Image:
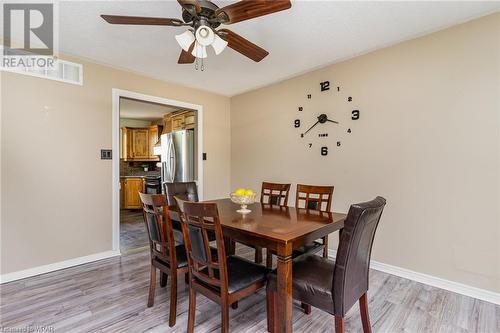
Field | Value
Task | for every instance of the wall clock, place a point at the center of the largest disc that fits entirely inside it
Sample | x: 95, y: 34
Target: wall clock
x: 321, y: 126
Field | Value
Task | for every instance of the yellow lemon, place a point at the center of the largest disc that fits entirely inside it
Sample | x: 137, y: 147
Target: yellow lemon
x: 249, y: 192
x: 240, y: 192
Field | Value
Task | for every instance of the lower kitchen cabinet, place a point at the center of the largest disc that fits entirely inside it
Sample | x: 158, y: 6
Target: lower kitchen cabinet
x: 130, y: 188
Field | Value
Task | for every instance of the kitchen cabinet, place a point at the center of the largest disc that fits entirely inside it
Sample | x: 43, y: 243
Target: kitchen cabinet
x: 130, y: 192
x: 179, y: 120
x: 138, y: 143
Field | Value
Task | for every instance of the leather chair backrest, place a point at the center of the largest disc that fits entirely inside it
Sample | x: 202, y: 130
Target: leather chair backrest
x: 314, y: 197
x: 185, y: 190
x: 198, y: 220
x: 274, y: 194
x: 159, y: 227
x: 350, y: 276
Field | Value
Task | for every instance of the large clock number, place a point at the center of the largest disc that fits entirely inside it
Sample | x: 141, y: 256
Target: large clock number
x: 349, y: 99
x: 324, y: 151
x: 297, y: 123
x: 338, y: 143
x: 325, y: 85
x: 309, y: 96
x: 310, y: 145
x: 338, y: 88
x: 301, y: 108
x: 355, y: 115
x: 349, y: 130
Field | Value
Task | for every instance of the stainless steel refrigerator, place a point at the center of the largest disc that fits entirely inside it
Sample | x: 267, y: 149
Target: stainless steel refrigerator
x: 178, y: 156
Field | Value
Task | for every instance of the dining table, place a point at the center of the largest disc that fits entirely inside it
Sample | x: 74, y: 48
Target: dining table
x: 280, y: 229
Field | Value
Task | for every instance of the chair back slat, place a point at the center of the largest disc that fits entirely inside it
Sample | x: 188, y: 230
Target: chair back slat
x: 159, y: 228
x: 206, y: 264
x: 184, y: 190
x: 313, y: 197
x: 350, y: 277
x: 274, y: 194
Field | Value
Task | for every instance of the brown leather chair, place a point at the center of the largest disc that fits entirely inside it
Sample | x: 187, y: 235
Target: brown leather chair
x: 169, y: 258
x: 224, y: 280
x: 335, y: 286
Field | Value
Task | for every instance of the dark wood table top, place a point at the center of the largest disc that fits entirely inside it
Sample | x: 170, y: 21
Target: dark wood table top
x: 278, y: 224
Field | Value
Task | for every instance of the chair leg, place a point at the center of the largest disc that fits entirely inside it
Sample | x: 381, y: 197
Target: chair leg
x: 365, y: 318
x: 224, y: 317
x: 234, y: 306
x: 339, y: 324
x: 173, y: 300
x: 307, y: 308
x: 258, y: 255
x: 269, y: 259
x: 271, y: 310
x: 163, y: 279
x: 192, y: 310
x: 152, y: 285
x: 325, y: 249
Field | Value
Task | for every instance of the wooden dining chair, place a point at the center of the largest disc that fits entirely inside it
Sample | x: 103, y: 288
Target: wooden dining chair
x: 272, y: 194
x: 169, y: 259
x: 314, y: 198
x: 335, y: 286
x: 224, y: 280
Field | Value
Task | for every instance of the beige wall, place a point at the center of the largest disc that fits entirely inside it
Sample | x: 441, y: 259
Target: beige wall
x: 427, y: 140
x: 56, y: 192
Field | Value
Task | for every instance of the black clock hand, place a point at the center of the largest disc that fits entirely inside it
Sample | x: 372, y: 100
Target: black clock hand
x: 332, y: 121
x: 310, y: 128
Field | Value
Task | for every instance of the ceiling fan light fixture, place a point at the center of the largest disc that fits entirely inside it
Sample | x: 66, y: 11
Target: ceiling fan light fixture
x: 185, y: 40
x: 219, y: 45
x: 204, y: 35
x: 199, y: 51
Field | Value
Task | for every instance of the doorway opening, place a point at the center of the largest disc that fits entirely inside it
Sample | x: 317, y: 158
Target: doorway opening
x: 155, y: 140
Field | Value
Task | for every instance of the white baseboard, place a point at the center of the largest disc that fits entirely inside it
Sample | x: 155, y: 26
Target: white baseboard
x: 434, y: 281
x: 4, y: 278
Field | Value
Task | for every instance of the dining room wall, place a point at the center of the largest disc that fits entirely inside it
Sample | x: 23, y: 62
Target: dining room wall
x: 56, y: 191
x: 428, y: 140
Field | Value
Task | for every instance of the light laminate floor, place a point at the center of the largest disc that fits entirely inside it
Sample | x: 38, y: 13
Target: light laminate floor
x: 110, y: 296
x: 133, y: 233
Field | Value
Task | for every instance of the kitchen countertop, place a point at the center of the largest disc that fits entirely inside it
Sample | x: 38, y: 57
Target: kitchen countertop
x: 140, y: 174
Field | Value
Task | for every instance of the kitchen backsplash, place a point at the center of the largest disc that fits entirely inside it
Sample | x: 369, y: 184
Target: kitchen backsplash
x: 135, y: 167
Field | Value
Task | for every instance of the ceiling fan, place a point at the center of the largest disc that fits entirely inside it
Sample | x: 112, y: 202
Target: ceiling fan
x: 203, y: 17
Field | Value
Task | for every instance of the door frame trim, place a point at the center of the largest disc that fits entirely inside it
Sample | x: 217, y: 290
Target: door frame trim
x: 115, y: 199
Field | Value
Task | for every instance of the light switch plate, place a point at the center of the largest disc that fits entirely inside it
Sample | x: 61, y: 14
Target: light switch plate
x: 106, y: 154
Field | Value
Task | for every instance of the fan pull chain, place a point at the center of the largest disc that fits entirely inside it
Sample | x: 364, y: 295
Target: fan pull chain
x: 202, y: 65
x: 196, y: 64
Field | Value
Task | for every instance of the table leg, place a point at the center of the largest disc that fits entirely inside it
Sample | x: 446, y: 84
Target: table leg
x: 230, y: 246
x: 284, y: 292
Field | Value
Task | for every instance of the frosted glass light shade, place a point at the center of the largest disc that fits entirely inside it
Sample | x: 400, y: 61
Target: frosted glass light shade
x: 185, y: 40
x: 219, y: 45
x: 199, y: 51
x: 204, y: 35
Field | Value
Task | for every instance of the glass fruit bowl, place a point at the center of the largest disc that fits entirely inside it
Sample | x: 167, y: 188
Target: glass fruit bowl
x: 243, y: 201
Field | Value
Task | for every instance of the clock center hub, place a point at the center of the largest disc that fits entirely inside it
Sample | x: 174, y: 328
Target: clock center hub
x: 322, y: 118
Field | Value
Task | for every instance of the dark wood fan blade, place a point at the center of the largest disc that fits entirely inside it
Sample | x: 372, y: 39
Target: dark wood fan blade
x: 248, y: 9
x: 242, y: 45
x: 138, y: 20
x: 192, y: 6
x: 187, y: 57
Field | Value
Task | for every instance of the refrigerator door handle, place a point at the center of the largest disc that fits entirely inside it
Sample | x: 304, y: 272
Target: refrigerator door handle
x: 174, y: 161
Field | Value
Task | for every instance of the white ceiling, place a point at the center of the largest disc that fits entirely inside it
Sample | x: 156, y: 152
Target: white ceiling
x: 132, y: 109
x: 311, y: 34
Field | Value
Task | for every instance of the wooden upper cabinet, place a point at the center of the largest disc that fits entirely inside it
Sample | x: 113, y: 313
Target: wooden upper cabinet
x: 154, y: 136
x: 140, y: 143
x: 179, y: 120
